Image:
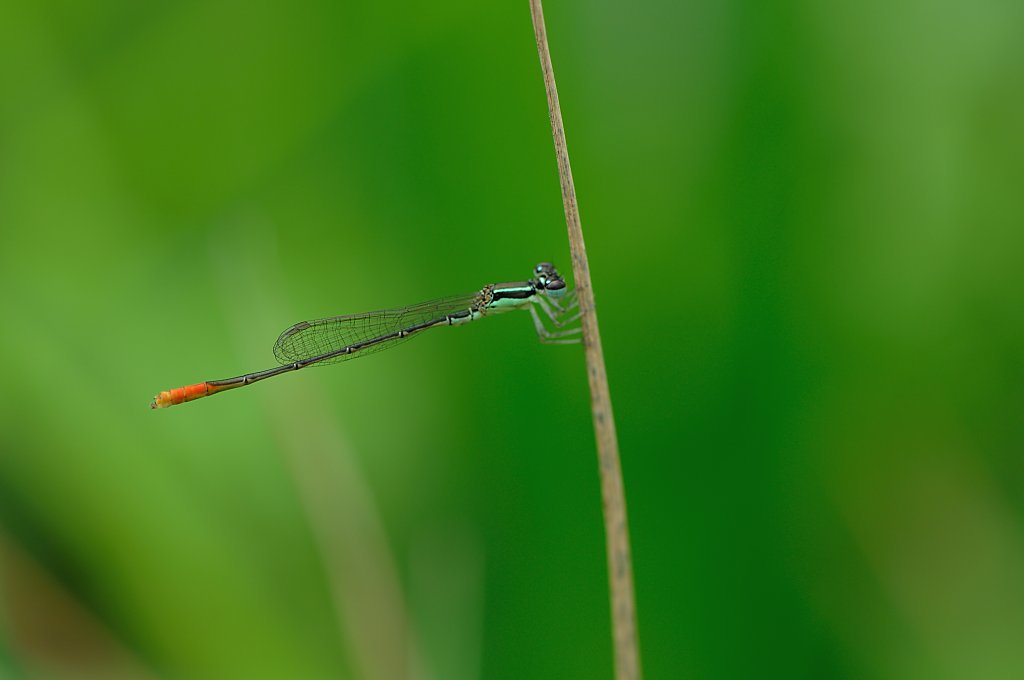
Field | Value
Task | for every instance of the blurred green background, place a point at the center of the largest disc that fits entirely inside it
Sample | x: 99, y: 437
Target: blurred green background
x: 806, y: 229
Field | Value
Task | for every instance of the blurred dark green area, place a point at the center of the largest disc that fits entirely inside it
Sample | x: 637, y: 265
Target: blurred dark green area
x: 806, y: 230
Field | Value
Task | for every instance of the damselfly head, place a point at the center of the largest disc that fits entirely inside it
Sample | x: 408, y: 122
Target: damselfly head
x: 548, y: 279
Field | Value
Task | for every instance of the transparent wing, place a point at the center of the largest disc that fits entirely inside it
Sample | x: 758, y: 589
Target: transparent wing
x: 310, y: 339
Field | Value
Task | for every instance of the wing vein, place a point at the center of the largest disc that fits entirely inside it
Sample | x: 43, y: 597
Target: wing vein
x: 309, y: 339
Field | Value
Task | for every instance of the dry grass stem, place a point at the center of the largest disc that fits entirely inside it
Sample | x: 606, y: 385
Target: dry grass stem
x: 620, y: 569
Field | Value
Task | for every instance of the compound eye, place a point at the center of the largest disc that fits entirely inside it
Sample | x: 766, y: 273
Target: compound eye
x: 543, y: 267
x: 557, y: 284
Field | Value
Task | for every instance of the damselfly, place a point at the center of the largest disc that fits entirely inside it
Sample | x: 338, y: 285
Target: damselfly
x: 339, y: 338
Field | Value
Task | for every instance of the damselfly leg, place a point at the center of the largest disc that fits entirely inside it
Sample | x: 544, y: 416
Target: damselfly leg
x: 569, y: 336
x: 558, y: 314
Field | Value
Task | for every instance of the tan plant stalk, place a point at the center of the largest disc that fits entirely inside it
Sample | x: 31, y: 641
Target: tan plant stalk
x: 620, y: 569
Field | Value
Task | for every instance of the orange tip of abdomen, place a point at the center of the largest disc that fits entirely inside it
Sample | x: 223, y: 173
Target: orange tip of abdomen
x: 180, y: 395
